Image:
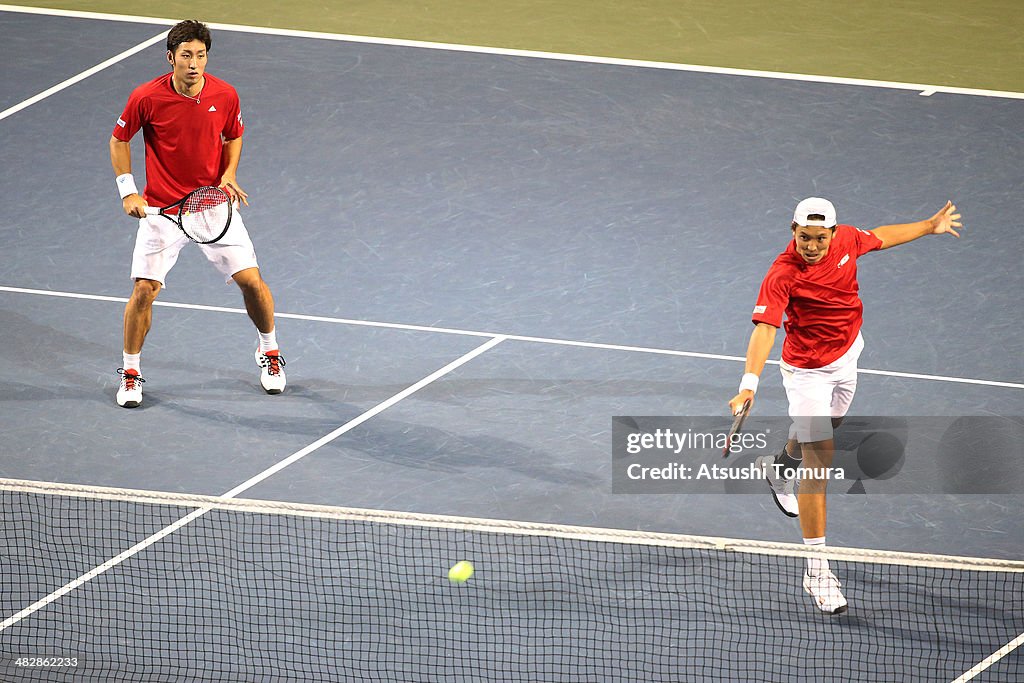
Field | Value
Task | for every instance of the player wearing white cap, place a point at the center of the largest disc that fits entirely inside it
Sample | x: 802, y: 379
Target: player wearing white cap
x: 813, y: 283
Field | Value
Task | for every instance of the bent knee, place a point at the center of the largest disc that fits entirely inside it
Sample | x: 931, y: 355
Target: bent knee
x: 145, y: 290
x: 248, y: 278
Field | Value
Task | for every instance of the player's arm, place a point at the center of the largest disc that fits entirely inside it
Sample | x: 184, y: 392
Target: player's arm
x: 946, y: 220
x: 229, y: 162
x: 121, y: 160
x: 762, y: 339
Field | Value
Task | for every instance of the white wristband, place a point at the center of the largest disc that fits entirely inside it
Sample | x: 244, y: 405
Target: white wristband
x: 126, y: 185
x: 749, y: 381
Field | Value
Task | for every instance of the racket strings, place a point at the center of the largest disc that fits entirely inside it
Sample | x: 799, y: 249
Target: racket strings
x: 205, y: 213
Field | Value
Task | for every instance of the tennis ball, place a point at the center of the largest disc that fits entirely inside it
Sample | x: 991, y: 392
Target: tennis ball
x: 460, y: 572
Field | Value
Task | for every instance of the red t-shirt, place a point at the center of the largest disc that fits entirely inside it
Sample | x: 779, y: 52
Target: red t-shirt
x: 821, y: 302
x: 184, y: 135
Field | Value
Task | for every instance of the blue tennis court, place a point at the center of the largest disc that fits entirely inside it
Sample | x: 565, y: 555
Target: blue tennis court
x: 478, y: 260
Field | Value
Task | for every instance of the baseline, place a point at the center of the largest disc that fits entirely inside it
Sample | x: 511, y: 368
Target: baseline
x: 921, y: 88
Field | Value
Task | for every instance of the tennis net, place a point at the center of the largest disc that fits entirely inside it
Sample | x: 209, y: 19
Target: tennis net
x: 102, y: 584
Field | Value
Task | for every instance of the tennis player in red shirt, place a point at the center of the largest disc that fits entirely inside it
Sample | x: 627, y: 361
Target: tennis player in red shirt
x: 192, y: 125
x: 813, y: 283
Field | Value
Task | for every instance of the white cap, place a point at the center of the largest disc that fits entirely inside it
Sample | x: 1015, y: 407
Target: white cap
x: 812, y: 206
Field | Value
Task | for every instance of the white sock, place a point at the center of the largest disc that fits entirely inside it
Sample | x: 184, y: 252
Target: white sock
x: 268, y: 340
x: 132, y: 361
x: 816, y: 565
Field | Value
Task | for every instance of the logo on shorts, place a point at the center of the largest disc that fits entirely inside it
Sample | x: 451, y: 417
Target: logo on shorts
x: 843, y: 261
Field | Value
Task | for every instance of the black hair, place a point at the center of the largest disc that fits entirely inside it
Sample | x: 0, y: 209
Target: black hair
x: 188, y: 31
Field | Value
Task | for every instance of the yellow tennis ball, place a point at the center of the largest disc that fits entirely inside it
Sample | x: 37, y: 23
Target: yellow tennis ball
x: 460, y: 572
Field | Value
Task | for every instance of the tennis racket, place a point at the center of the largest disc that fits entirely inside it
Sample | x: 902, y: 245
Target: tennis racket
x: 737, y: 425
x: 203, y: 215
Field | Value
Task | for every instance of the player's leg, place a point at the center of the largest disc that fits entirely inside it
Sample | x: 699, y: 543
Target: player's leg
x: 138, y: 319
x: 816, y: 461
x: 259, y: 303
x: 840, y: 378
x: 138, y: 314
x: 813, y: 487
x: 810, y: 405
x: 157, y: 245
x: 235, y: 257
x: 782, y: 482
x: 779, y: 470
x: 819, y: 581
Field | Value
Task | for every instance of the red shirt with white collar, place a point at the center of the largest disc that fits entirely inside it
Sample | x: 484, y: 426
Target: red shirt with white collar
x: 184, y: 135
x: 821, y: 302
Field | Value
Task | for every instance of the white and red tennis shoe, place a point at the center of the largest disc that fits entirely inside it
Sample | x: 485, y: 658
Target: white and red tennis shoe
x: 129, y: 394
x: 272, y: 376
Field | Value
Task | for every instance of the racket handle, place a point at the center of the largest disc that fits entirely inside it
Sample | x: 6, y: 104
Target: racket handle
x: 152, y: 211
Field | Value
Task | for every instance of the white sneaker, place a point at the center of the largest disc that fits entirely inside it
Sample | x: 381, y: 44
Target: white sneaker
x: 824, y: 588
x: 272, y: 376
x: 129, y: 394
x: 783, y: 490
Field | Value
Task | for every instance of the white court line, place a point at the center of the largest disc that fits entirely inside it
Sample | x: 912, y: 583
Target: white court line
x: 355, y: 422
x: 991, y: 659
x: 82, y: 76
x: 504, y: 335
x: 923, y: 89
x: 96, y: 571
x: 77, y: 14
x: 291, y: 459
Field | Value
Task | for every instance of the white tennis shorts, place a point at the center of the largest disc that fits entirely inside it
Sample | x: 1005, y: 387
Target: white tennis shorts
x: 816, y: 396
x: 159, y: 241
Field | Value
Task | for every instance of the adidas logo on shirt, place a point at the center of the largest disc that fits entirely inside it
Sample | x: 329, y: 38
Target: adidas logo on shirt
x: 212, y: 108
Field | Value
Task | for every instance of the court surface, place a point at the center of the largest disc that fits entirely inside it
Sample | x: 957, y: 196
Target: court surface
x: 534, y: 245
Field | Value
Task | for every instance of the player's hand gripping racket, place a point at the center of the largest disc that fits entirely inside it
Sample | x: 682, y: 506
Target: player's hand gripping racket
x: 737, y: 425
x: 203, y: 215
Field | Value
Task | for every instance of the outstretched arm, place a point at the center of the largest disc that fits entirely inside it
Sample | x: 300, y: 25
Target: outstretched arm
x: 762, y: 339
x: 946, y: 220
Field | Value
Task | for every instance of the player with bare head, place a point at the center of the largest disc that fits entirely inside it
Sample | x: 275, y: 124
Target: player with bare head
x: 192, y: 127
